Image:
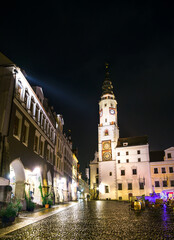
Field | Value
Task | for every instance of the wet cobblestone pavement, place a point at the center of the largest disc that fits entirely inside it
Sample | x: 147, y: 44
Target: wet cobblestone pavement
x: 100, y: 220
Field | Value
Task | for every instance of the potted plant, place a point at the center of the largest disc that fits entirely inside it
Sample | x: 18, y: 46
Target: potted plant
x: 9, y: 213
x: 50, y: 202
x: 30, y: 204
x: 46, y: 200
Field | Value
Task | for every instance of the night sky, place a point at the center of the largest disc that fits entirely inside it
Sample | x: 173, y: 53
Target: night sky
x: 63, y: 47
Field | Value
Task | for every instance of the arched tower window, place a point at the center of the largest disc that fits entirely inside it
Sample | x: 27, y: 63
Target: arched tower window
x: 106, y: 132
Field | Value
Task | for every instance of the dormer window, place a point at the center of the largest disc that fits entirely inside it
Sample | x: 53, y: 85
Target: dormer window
x: 125, y: 144
x: 19, y: 88
x: 26, y: 97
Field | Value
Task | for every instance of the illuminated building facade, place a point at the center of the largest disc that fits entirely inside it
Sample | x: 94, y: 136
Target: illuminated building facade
x: 121, y: 168
x: 33, y: 149
x: 162, y: 171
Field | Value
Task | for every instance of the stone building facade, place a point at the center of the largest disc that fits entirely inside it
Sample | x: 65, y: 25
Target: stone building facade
x: 33, y: 148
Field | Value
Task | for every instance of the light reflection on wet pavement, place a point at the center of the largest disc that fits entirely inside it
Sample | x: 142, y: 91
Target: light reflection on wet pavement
x: 100, y: 220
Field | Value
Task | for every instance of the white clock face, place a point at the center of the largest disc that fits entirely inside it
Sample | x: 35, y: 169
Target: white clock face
x: 112, y: 111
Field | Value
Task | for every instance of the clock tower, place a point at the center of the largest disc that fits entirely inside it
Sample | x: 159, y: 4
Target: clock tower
x: 108, y: 132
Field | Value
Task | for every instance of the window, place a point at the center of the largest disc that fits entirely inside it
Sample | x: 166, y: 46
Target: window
x: 41, y: 119
x: 157, y: 184
x: 127, y: 160
x: 105, y: 119
x: 110, y: 174
x: 37, y: 113
x: 172, y: 183
x: 141, y: 185
x: 26, y: 97
x: 139, y: 159
x: 105, y: 104
x: 111, y: 105
x: 118, y: 154
x: 129, y: 186
x: 170, y: 169
x: 163, y: 170
x: 118, y: 161
x: 155, y: 170
x: 120, y: 186
x: 169, y: 155
x: 36, y: 143
x: 106, y: 132
x: 32, y: 107
x: 138, y: 151
x: 134, y: 171
x: 96, y: 170
x: 48, y: 153
x: 106, y: 189
x: 19, y: 89
x: 17, y: 125
x: 127, y: 153
x: 25, y: 133
x: 97, y: 180
x: 164, y: 183
x: 42, y: 148
x: 125, y: 144
x: 122, y: 172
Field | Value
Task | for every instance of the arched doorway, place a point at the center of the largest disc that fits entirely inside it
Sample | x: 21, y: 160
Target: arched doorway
x: 17, y: 178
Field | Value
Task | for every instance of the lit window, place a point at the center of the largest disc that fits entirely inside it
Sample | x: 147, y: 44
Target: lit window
x: 106, y: 189
x: 120, y: 186
x: 134, y: 171
x: 17, y: 126
x: 19, y: 89
x: 155, y: 170
x: 129, y: 186
x: 163, y: 170
x: 25, y: 133
x: 157, y: 184
x: 122, y: 172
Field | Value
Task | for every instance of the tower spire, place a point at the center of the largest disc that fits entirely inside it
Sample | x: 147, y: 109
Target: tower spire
x: 107, y: 87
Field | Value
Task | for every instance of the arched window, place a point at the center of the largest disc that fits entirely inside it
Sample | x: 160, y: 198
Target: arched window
x: 106, y: 132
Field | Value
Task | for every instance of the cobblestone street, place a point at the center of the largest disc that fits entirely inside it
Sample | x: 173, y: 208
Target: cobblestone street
x: 100, y: 220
